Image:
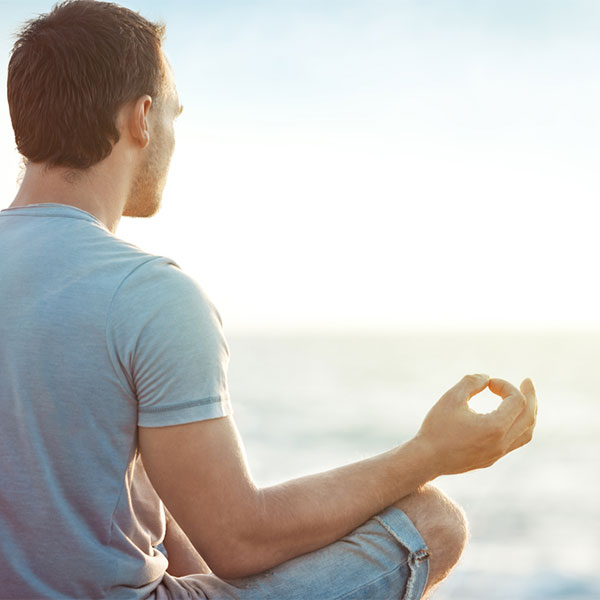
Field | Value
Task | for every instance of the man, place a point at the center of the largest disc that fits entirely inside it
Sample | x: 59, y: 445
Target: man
x: 110, y: 356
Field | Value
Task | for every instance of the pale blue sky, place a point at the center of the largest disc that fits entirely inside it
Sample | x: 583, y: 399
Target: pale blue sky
x: 378, y: 164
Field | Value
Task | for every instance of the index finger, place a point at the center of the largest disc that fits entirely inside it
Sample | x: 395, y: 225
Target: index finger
x: 503, y: 388
x: 469, y: 386
x: 512, y: 405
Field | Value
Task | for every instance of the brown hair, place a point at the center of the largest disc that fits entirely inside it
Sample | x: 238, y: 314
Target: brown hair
x: 70, y: 72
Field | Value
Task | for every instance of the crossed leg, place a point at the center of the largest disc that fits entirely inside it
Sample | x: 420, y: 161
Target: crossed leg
x: 442, y: 525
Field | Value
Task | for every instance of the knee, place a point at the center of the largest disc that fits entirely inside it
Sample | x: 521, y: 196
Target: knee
x: 443, y: 526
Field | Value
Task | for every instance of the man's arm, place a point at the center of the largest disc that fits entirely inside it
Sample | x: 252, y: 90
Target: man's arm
x: 200, y: 472
x: 240, y: 529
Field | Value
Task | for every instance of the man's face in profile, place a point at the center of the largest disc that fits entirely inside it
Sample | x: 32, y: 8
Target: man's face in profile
x: 145, y: 196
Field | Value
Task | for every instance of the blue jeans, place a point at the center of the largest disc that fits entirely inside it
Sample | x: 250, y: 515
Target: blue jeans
x: 383, y: 559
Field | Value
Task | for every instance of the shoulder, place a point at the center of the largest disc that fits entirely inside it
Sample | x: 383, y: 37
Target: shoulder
x: 156, y: 297
x: 158, y: 281
x: 136, y: 272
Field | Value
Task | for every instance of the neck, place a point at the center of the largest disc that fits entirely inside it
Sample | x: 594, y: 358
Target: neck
x: 101, y: 190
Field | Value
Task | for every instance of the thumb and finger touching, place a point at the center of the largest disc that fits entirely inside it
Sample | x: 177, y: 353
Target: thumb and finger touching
x: 516, y: 413
x: 513, y: 420
x: 513, y: 403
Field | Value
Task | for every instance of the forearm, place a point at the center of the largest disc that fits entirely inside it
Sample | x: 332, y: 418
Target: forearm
x: 308, y: 513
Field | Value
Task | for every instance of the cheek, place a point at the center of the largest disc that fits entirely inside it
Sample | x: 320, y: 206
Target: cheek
x: 166, y: 141
x: 171, y: 133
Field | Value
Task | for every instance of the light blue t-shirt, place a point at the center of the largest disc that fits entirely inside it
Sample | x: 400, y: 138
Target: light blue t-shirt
x: 96, y: 338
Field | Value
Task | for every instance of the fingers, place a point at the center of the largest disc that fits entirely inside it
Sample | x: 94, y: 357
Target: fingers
x: 502, y: 388
x: 521, y: 431
x: 528, y: 390
x: 468, y: 386
x: 512, y: 404
x: 523, y: 439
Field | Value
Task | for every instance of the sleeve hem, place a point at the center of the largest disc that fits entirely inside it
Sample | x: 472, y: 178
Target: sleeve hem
x: 187, y: 412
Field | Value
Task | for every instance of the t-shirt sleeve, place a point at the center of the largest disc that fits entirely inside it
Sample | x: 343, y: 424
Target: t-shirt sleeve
x: 166, y: 340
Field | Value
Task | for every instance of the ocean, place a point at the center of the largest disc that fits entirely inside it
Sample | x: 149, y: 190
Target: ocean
x: 306, y: 402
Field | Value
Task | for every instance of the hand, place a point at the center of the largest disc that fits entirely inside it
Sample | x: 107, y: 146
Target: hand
x: 460, y: 439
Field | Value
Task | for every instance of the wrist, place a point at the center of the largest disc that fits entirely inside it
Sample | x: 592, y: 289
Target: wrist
x: 427, y: 457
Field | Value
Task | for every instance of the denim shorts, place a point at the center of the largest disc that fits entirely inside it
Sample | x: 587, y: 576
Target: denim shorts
x: 383, y: 559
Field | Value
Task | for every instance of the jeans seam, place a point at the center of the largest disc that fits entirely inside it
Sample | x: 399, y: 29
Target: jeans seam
x: 424, y: 550
x: 356, y: 589
x: 414, y: 557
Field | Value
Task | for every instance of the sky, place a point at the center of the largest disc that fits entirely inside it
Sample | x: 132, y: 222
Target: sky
x: 372, y: 164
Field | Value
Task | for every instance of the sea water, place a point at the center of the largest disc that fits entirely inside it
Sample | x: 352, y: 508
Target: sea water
x: 313, y: 401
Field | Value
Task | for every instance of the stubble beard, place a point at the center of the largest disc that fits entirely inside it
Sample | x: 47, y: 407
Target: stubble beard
x: 145, y: 196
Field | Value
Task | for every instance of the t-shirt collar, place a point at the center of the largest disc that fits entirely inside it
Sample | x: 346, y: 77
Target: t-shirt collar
x: 51, y: 209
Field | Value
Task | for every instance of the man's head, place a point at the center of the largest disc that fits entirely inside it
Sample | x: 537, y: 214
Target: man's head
x: 73, y: 73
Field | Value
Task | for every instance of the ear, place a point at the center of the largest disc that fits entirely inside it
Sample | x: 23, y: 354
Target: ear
x: 139, y: 128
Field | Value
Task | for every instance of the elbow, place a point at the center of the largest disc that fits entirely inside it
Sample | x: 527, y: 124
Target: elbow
x: 239, y: 545
x: 232, y: 556
x: 235, y: 561
x: 230, y: 571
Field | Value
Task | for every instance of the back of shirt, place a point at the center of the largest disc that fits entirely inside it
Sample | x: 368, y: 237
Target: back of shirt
x: 96, y: 338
